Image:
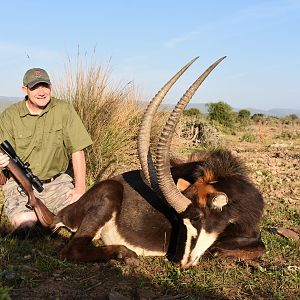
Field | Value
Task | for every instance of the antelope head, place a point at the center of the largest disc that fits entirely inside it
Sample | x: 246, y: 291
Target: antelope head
x: 159, y: 177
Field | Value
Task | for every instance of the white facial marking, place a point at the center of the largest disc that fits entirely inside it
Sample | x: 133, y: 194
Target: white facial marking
x: 205, y: 240
x: 191, y: 233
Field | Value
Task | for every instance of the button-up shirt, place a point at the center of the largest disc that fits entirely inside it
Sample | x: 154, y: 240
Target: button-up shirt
x: 46, y: 141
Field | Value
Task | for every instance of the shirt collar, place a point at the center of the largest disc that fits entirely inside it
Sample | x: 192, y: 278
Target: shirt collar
x: 24, y: 111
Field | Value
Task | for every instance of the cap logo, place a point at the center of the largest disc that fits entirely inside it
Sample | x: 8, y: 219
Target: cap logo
x: 37, y: 74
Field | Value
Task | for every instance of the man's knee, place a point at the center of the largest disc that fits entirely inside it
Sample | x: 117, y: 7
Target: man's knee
x: 25, y: 219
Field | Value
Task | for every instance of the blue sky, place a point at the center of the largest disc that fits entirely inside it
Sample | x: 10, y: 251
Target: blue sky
x: 146, y: 42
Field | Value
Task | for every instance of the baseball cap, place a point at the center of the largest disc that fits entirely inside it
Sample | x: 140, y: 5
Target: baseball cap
x: 35, y: 76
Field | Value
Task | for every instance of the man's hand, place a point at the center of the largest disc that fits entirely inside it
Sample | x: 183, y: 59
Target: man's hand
x: 74, y: 194
x: 4, y: 160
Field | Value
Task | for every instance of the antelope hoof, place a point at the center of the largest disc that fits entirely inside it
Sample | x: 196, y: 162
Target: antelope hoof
x: 125, y: 253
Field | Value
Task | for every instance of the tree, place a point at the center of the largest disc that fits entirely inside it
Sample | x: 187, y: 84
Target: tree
x: 221, y: 112
x: 258, y: 117
x: 192, y: 112
x: 293, y: 117
x: 244, y: 116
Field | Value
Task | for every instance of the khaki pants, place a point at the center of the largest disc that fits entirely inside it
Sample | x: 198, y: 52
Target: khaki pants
x: 53, y: 196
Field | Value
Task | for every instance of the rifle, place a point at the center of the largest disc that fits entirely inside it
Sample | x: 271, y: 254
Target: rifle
x: 22, y: 174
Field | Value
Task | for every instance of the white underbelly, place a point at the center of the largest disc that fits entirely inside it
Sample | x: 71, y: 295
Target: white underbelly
x: 110, y: 236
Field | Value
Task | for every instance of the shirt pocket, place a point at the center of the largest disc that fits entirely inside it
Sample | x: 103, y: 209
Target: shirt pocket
x: 54, y: 136
x: 23, y: 139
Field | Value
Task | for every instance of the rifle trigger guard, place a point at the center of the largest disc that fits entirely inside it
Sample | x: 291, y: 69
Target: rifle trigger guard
x: 29, y: 206
x: 21, y: 190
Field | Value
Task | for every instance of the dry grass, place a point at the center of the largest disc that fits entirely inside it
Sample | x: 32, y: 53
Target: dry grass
x: 111, y: 114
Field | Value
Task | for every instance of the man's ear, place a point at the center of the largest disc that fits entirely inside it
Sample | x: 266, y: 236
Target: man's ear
x: 24, y: 90
x: 182, y: 184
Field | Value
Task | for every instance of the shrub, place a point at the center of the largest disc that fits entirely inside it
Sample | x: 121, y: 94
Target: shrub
x: 293, y: 117
x: 248, y: 137
x: 111, y: 115
x: 289, y: 134
x: 222, y: 113
x: 191, y: 112
x: 4, y: 293
x: 258, y: 118
x: 244, y: 116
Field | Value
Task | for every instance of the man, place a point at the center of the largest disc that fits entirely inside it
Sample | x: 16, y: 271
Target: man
x: 45, y: 132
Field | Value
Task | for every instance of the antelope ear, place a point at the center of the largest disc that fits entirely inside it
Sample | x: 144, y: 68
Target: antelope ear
x: 182, y: 184
x: 218, y: 200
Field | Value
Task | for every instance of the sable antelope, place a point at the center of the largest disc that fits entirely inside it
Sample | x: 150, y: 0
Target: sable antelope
x: 207, y: 202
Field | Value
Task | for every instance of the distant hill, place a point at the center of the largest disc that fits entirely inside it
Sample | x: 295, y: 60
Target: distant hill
x: 279, y: 112
x: 7, y: 101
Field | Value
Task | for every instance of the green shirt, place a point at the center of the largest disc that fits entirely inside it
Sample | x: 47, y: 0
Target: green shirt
x: 45, y: 141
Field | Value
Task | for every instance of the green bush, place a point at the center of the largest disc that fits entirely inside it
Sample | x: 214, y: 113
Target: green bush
x: 258, y: 118
x: 222, y: 113
x: 4, y: 294
x: 244, y: 117
x: 191, y: 112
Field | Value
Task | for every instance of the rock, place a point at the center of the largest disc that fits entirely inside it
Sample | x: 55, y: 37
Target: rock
x: 288, y: 233
x: 297, y: 229
x: 145, y: 294
x: 10, y: 276
x: 116, y: 296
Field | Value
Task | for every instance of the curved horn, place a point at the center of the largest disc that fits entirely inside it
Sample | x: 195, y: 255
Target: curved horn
x: 143, y: 139
x: 165, y: 181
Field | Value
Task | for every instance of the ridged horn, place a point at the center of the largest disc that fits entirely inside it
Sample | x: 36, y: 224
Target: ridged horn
x: 165, y: 181
x: 143, y: 139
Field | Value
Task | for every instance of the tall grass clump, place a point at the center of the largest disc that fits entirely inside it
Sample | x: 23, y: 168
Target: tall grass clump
x: 110, y: 112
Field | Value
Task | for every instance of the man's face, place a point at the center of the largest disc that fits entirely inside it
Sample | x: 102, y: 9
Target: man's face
x: 39, y: 95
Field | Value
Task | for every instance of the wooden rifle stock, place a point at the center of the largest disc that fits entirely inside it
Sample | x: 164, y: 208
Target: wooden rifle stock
x: 44, y: 215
